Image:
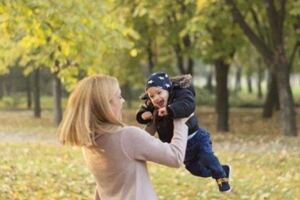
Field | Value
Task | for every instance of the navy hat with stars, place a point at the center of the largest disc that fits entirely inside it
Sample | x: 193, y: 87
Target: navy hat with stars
x: 159, y: 79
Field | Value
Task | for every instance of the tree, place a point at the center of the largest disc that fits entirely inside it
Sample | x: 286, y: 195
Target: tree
x: 28, y: 91
x: 274, y: 55
x: 44, y: 33
x: 36, y: 93
x: 217, y: 43
x: 259, y: 78
x: 57, y: 97
x: 163, y: 39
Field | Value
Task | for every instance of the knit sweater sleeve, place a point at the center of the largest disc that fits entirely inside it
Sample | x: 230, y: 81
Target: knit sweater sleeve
x: 139, y: 145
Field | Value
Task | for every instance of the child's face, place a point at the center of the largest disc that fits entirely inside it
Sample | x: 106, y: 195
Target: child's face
x: 158, y: 96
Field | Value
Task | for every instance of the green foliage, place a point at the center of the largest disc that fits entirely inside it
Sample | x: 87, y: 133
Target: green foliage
x: 219, y: 37
x: 160, y: 27
x: 295, y: 8
x: 256, y: 16
x: 62, y: 35
x: 76, y: 38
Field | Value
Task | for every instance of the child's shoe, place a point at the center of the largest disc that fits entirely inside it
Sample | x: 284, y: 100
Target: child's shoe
x: 223, y: 183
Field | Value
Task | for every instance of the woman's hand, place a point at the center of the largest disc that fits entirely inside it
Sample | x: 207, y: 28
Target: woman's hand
x: 182, y: 120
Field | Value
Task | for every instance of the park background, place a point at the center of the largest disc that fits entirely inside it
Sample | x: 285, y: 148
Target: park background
x: 244, y: 57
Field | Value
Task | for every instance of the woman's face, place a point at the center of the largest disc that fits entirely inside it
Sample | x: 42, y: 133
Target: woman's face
x: 117, y: 103
x: 158, y: 96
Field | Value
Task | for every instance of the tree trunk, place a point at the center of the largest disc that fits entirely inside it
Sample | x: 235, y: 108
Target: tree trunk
x: 36, y: 94
x: 249, y: 83
x: 57, y: 96
x: 9, y: 85
x: 288, y: 114
x: 179, y: 58
x: 209, y: 79
x: 190, y: 66
x: 259, y: 79
x: 238, y: 79
x: 150, y: 57
x: 222, y: 98
x: 128, y: 94
x: 28, y: 92
x: 1, y: 88
x: 185, y: 64
x: 271, y: 97
x: 274, y: 56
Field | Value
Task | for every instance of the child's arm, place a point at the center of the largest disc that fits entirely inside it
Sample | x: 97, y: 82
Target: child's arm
x: 183, y: 105
x: 145, y: 110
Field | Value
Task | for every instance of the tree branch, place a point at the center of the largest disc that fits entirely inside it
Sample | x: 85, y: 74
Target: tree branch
x: 256, y: 41
x: 182, y: 5
x: 257, y: 23
x: 274, y: 21
x: 293, y: 54
x: 282, y: 12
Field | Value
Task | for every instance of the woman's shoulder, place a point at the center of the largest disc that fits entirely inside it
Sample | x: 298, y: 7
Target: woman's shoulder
x: 130, y: 129
x: 133, y: 135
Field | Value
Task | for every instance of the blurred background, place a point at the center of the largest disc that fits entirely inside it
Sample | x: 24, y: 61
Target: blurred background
x: 244, y: 57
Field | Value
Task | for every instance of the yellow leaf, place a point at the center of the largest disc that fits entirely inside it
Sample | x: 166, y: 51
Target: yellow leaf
x: 201, y: 4
x: 133, y: 52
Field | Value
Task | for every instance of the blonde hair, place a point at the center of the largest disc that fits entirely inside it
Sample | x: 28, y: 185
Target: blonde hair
x: 89, y: 112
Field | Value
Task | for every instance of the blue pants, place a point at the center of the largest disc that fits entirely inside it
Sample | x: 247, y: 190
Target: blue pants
x: 200, y: 159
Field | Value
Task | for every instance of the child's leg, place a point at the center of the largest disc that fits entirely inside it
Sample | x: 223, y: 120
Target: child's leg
x: 211, y: 162
x: 191, y: 160
x: 207, y: 158
x: 198, y: 169
x: 206, y: 155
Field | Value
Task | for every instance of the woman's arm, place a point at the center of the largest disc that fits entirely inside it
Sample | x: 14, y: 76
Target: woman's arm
x: 97, y: 197
x: 140, y: 146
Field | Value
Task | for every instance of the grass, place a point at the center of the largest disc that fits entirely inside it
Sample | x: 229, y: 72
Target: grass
x: 265, y: 164
x: 48, y: 171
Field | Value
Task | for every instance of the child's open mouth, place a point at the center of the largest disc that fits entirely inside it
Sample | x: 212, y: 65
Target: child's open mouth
x: 160, y: 103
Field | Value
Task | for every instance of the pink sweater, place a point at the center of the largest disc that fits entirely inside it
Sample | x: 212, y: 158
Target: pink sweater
x: 119, y: 162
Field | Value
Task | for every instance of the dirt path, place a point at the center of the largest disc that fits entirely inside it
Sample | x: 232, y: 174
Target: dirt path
x: 23, y: 137
x: 232, y: 143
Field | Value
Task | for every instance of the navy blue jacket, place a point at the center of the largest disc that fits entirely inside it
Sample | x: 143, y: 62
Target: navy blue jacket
x: 181, y: 103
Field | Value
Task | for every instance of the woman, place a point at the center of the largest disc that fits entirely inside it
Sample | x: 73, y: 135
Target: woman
x: 116, y: 154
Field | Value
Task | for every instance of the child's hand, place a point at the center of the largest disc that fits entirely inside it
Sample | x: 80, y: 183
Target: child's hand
x: 147, y: 115
x: 162, y: 112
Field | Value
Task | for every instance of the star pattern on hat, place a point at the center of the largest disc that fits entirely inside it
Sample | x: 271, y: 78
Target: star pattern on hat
x: 159, y: 79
